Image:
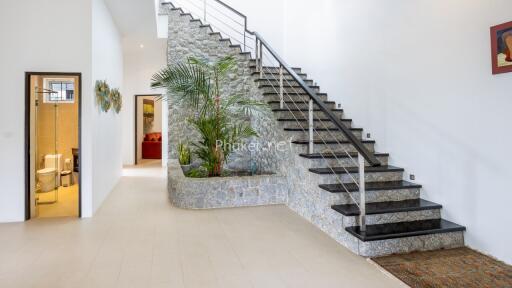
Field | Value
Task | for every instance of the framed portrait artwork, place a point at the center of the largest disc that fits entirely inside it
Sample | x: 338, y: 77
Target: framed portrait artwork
x: 501, y: 39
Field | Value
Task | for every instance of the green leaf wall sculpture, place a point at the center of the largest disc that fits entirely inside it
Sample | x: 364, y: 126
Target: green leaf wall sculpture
x: 108, y: 98
x: 103, y: 95
x: 116, y: 99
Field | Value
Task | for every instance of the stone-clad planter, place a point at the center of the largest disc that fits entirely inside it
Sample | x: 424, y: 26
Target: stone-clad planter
x: 224, y: 192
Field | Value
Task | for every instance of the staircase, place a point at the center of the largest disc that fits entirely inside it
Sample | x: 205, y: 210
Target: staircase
x: 337, y: 180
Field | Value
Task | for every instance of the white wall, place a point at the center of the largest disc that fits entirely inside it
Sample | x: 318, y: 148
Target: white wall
x: 139, y: 66
x: 264, y: 16
x: 25, y: 27
x: 107, y: 64
x: 26, y: 46
x: 417, y: 75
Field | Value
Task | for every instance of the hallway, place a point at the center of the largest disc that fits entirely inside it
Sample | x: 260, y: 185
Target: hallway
x: 137, y: 239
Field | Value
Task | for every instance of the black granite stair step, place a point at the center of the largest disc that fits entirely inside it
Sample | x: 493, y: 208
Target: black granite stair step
x: 404, y: 229
x: 186, y: 14
x: 277, y: 73
x: 266, y: 79
x: 337, y: 155
x: 295, y: 102
x: 318, y: 141
x: 388, y: 207
x: 343, y: 170
x: 235, y: 46
x: 304, y: 109
x: 288, y: 86
x: 319, y: 129
x: 253, y: 66
x: 205, y: 26
x: 275, y: 82
x: 370, y: 186
x: 294, y: 94
x: 314, y: 119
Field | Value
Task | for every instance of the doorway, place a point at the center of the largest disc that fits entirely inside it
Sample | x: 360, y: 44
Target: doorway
x: 52, y: 144
x: 148, y: 128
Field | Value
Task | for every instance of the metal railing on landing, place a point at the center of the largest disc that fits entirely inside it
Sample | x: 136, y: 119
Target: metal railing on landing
x: 268, y: 63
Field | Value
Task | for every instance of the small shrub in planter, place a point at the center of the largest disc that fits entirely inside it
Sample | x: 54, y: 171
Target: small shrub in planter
x: 185, y: 157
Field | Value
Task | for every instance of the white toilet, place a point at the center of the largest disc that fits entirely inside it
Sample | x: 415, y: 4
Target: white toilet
x: 49, y: 176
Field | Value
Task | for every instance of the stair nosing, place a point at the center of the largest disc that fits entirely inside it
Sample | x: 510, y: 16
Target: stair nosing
x: 277, y: 80
x: 340, y: 155
x: 433, y: 206
x: 318, y: 129
x: 320, y: 142
x: 278, y: 102
x: 254, y: 66
x: 369, y: 169
x: 277, y: 73
x: 409, y: 185
x: 301, y: 93
x: 456, y: 228
x: 306, y: 120
x: 304, y: 109
x: 289, y: 86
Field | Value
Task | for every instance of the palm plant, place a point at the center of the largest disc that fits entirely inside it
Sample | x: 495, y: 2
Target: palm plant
x: 221, y: 120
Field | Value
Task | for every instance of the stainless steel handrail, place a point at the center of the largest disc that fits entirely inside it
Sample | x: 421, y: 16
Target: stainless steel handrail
x: 332, y: 152
x: 372, y: 160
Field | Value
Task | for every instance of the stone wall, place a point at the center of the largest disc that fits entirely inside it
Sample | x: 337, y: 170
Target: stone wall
x: 187, y: 38
x: 225, y: 192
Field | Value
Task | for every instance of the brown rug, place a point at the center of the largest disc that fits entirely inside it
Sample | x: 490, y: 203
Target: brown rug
x: 452, y: 268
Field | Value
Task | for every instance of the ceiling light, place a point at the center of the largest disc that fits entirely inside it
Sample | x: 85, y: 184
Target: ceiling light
x: 141, y: 45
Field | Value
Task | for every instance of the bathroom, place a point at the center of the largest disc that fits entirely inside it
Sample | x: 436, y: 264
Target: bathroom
x: 54, y: 145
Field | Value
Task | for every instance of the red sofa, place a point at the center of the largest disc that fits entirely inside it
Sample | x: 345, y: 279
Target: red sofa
x: 152, y: 146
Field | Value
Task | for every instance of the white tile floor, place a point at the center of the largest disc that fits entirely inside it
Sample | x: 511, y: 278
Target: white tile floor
x: 66, y: 206
x: 137, y: 239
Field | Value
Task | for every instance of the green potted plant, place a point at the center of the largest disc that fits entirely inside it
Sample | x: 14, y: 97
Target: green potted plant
x: 197, y: 85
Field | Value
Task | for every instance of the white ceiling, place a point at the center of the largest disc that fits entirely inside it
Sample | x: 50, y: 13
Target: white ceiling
x: 134, y: 17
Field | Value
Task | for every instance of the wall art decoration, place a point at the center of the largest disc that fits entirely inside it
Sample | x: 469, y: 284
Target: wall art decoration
x: 103, y: 95
x: 501, y: 40
x: 116, y: 100
x: 149, y: 114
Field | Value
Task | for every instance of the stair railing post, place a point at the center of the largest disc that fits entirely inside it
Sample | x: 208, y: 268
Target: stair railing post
x: 311, y: 124
x: 281, y: 88
x: 245, y: 45
x: 257, y: 54
x: 245, y: 34
x: 204, y: 11
x: 362, y: 193
x: 261, y: 59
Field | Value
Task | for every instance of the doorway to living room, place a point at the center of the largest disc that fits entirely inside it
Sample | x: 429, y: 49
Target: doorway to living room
x: 148, y: 128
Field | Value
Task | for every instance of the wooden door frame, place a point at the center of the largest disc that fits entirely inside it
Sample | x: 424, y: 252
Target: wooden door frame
x: 136, y: 121
x: 27, y: 135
